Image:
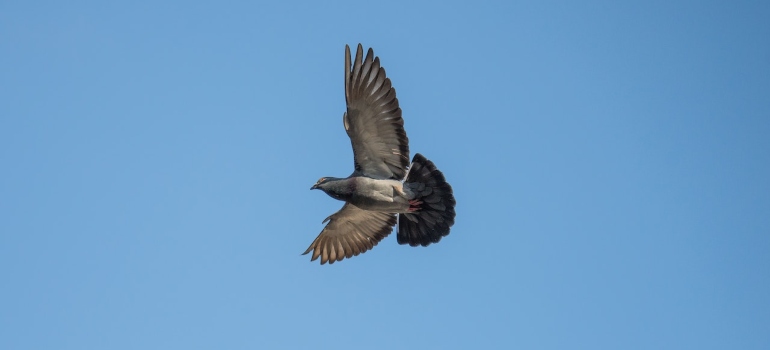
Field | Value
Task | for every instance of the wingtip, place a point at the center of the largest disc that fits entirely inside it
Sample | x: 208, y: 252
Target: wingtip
x: 359, y: 56
x: 347, y: 73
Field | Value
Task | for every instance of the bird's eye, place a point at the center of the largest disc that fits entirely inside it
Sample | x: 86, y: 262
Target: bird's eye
x: 321, y: 180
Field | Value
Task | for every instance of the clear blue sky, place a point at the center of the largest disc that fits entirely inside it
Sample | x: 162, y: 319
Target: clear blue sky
x: 611, y: 165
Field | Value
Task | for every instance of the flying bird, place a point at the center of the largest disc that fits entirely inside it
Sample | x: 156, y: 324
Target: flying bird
x: 384, y: 189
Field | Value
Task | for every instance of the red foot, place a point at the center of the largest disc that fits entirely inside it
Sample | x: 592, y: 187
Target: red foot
x: 414, y: 205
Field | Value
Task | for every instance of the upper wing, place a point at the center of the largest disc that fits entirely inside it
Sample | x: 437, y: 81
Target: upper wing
x: 350, y: 231
x: 373, y: 120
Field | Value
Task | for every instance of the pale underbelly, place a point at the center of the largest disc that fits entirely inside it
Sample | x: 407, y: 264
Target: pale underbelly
x: 398, y: 205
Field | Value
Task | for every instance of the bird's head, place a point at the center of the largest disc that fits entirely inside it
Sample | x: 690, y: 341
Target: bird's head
x: 319, y: 184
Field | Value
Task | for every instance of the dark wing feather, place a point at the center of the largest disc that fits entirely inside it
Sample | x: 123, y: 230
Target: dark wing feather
x: 350, y: 231
x: 373, y: 119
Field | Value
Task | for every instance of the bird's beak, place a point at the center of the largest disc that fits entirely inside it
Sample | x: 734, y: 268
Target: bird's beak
x: 314, y: 187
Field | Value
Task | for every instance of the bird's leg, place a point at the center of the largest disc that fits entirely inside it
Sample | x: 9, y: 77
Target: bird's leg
x: 414, y: 205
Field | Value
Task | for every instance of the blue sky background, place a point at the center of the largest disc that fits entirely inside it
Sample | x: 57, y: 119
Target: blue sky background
x: 610, y: 163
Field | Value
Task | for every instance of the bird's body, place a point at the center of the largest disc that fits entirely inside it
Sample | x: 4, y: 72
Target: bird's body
x: 384, y: 189
x: 388, y: 196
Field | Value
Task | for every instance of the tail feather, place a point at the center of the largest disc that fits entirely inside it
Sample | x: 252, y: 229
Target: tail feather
x: 436, y: 212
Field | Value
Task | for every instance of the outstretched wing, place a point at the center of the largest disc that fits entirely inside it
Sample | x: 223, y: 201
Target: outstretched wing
x: 373, y: 119
x: 350, y: 231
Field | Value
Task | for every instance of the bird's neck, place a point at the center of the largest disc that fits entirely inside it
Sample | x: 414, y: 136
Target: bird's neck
x: 341, y: 189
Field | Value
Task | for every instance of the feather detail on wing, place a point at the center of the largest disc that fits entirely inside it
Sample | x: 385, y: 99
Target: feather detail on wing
x: 350, y: 231
x: 373, y: 119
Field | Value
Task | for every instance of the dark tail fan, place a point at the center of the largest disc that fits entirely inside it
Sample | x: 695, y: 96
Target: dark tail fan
x: 436, y: 214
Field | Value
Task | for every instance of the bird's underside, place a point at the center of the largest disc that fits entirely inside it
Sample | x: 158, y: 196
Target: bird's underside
x: 379, y: 194
x: 390, y: 196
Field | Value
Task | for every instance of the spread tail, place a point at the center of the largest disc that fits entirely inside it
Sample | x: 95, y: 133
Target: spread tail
x: 433, y: 207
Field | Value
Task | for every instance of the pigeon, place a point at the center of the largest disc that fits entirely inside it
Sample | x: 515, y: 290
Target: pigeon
x: 384, y: 189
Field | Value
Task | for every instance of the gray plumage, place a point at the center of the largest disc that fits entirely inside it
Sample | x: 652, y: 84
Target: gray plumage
x: 382, y: 190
